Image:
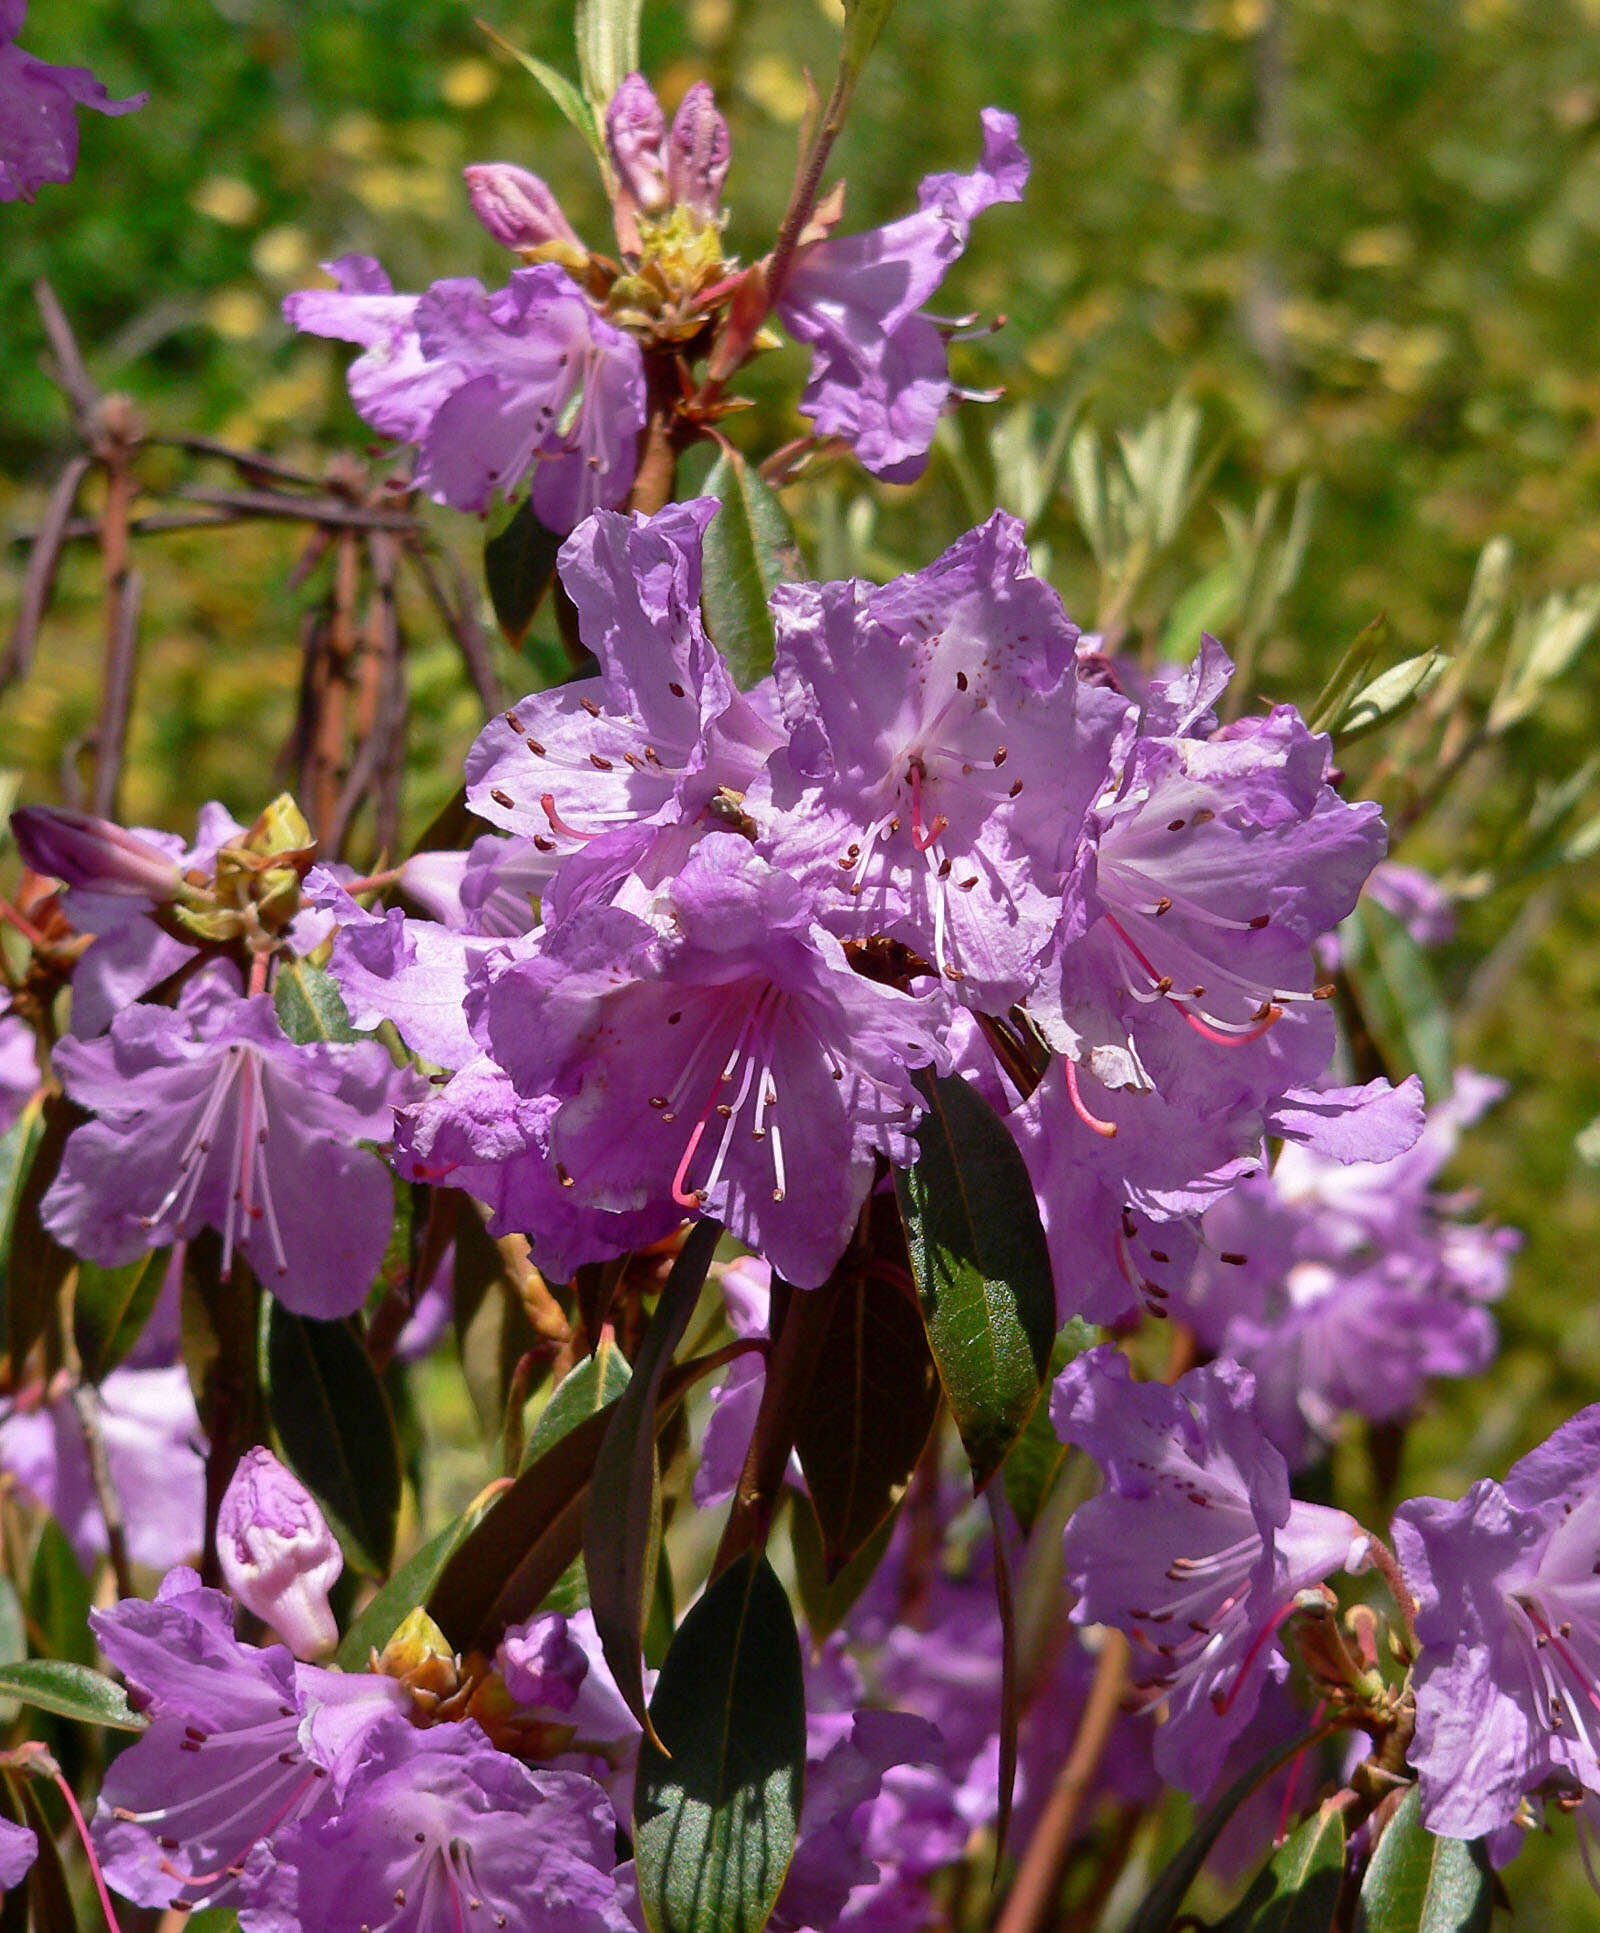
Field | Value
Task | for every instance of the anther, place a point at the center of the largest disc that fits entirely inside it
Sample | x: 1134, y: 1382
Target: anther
x: 503, y: 799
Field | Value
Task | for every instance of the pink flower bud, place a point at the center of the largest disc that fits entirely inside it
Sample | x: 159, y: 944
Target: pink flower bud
x: 636, y: 134
x: 697, y: 154
x: 93, y: 853
x: 516, y: 207
x: 277, y: 1555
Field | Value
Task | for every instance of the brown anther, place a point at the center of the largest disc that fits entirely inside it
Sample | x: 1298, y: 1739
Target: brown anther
x: 513, y: 721
x: 600, y: 764
x: 1001, y: 756
x: 590, y: 707
x: 1162, y: 905
x: 503, y: 799
x: 1231, y: 1257
x: 534, y: 746
x: 675, y: 688
x: 1176, y: 825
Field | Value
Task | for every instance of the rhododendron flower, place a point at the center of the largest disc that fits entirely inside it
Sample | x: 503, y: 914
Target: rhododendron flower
x: 722, y: 1056
x: 38, y: 112
x: 1194, y: 1547
x: 879, y: 367
x: 209, y: 1116
x: 277, y: 1554
x: 1508, y: 1612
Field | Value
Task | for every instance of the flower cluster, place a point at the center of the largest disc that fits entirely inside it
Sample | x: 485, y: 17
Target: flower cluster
x: 551, y: 375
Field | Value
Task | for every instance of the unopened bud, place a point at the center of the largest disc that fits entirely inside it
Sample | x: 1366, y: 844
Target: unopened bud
x: 516, y: 207
x: 93, y: 853
x: 698, y: 151
x: 636, y: 134
x: 277, y: 1554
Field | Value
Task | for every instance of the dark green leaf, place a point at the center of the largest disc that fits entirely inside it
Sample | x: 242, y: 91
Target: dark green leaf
x: 36, y: 1265
x: 750, y: 549
x: 49, y: 1893
x: 868, y: 1412
x: 714, y: 1823
x: 519, y: 566
x: 1298, y: 1892
x: 59, y: 1599
x: 310, y: 1007
x: 1037, y: 1456
x: 70, y: 1691
x: 332, y: 1418
x: 826, y: 1602
x: 1419, y: 1883
x: 110, y: 1308
x: 409, y: 1587
x: 1164, y: 1901
x: 982, y: 1268
x: 622, y: 1518
x: 594, y: 1385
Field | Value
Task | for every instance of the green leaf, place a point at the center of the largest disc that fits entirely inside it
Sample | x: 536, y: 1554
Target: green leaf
x: 1037, y: 1456
x: 828, y: 1601
x: 1408, y: 1014
x: 36, y: 1265
x: 1391, y: 696
x: 59, y: 1599
x: 863, y: 22
x: 519, y: 566
x: 560, y: 89
x: 1164, y: 1901
x: 750, y: 549
x: 868, y: 1412
x: 310, y: 1006
x: 608, y: 46
x: 714, y: 1823
x: 17, y: 1146
x: 50, y: 1900
x: 395, y: 1601
x: 594, y: 1385
x: 333, y: 1420
x: 982, y: 1268
x: 110, y: 1308
x: 622, y: 1518
x: 70, y: 1691
x: 1419, y: 1883
x: 1363, y: 653
x: 1298, y: 1892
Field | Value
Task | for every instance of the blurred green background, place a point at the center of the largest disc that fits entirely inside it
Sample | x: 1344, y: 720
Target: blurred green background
x: 1361, y: 237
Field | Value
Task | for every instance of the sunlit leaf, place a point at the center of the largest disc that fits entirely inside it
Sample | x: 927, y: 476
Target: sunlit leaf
x: 1420, y: 1883
x: 70, y: 1691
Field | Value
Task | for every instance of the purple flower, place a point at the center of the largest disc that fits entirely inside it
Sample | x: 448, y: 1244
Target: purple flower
x: 942, y: 754
x: 95, y: 855
x: 232, y: 1753
x: 659, y: 732
x: 879, y: 372
x: 38, y: 121
x: 1194, y: 1547
x: 1344, y: 1287
x: 18, y: 1849
x: 721, y: 1056
x: 19, y: 1068
x: 1508, y: 1681
x: 277, y: 1554
x: 155, y: 1451
x: 488, y: 386
x: 210, y: 1116
x: 436, y: 1830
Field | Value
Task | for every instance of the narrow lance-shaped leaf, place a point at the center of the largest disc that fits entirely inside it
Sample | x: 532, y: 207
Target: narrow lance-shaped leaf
x: 1298, y: 1891
x: 1420, y: 1883
x: 750, y: 549
x: 622, y: 1521
x: 864, y: 20
x: 409, y: 1587
x: 715, y: 1822
x: 70, y: 1691
x: 310, y: 1006
x: 36, y: 1266
x: 110, y: 1308
x: 608, y: 46
x: 1164, y: 1901
x: 558, y: 87
x: 338, y: 1435
x: 1390, y: 696
x: 519, y: 566
x: 982, y: 1268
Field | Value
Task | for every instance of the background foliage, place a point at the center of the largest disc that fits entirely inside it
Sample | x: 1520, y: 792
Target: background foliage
x: 1359, y: 236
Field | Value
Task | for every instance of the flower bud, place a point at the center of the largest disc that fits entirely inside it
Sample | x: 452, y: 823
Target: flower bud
x: 93, y: 853
x: 698, y: 151
x: 277, y: 1555
x: 516, y: 207
x: 636, y: 134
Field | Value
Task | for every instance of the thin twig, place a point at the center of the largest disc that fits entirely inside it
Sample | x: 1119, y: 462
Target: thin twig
x: 79, y: 529
x: 69, y: 374
x: 461, y: 620
x: 1032, y: 1898
x: 116, y: 702
x: 320, y: 510
x: 246, y: 461
x: 55, y: 529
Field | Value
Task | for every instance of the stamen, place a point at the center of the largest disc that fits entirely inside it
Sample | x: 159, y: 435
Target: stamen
x: 1107, y: 1130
